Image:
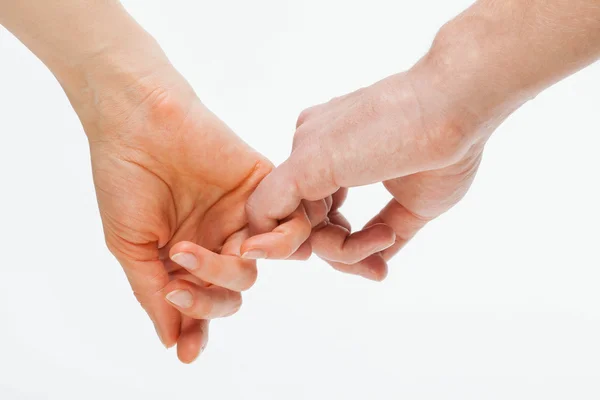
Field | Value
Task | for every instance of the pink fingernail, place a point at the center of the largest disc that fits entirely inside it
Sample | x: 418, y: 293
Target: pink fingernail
x: 384, y: 247
x: 181, y: 298
x: 254, y: 255
x: 186, y: 260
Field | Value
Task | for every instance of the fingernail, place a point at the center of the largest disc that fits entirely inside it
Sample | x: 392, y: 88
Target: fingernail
x: 186, y: 260
x: 181, y: 298
x: 384, y: 247
x: 254, y: 255
x: 370, y: 274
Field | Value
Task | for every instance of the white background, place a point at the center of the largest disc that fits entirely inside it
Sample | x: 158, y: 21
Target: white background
x: 497, y: 299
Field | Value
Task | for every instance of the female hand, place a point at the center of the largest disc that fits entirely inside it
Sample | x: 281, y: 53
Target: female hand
x: 167, y: 170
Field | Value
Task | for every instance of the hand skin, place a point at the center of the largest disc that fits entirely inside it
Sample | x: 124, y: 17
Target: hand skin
x: 422, y: 132
x: 172, y: 180
x: 176, y: 173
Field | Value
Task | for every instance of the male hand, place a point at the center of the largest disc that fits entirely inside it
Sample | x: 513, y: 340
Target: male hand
x: 405, y: 131
x: 422, y: 132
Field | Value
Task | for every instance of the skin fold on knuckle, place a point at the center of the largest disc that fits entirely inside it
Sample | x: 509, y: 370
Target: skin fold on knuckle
x: 232, y: 303
x: 337, y: 254
x: 284, y: 251
x: 144, y: 297
x: 202, y: 307
x: 237, y: 304
x: 303, y: 117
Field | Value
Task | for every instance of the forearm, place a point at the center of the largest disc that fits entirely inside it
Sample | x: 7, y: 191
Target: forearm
x: 500, y: 53
x: 93, y: 47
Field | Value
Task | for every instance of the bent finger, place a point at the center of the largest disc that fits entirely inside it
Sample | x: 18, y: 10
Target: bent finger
x: 336, y: 244
x: 227, y: 271
x: 202, y: 302
x: 374, y: 267
x: 316, y: 211
x: 303, y: 253
x: 338, y: 218
x: 283, y: 241
x: 404, y: 223
x: 281, y: 192
x: 339, y: 198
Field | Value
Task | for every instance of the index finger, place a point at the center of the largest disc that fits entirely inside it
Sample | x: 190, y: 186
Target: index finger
x: 283, y: 241
x: 280, y: 193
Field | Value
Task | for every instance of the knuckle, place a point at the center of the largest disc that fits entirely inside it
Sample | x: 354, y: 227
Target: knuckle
x: 301, y: 118
x: 203, y: 309
x: 286, y: 251
x: 306, y: 228
x: 249, y: 280
x: 317, y: 211
x: 152, y: 287
x: 328, y: 203
x: 255, y: 213
x: 305, y: 257
x: 337, y: 255
x: 250, y: 209
x: 300, y: 136
x: 313, y: 176
x: 304, y: 116
x: 447, y: 144
x: 236, y: 304
x: 262, y: 168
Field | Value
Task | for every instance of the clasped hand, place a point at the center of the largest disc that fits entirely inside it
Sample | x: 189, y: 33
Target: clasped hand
x: 188, y: 207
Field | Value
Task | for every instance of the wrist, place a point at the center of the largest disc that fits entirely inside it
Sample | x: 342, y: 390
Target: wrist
x: 132, y: 76
x: 116, y: 67
x: 114, y: 77
x: 71, y: 38
x: 468, y: 65
x: 496, y: 56
x: 106, y: 63
x: 106, y: 90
